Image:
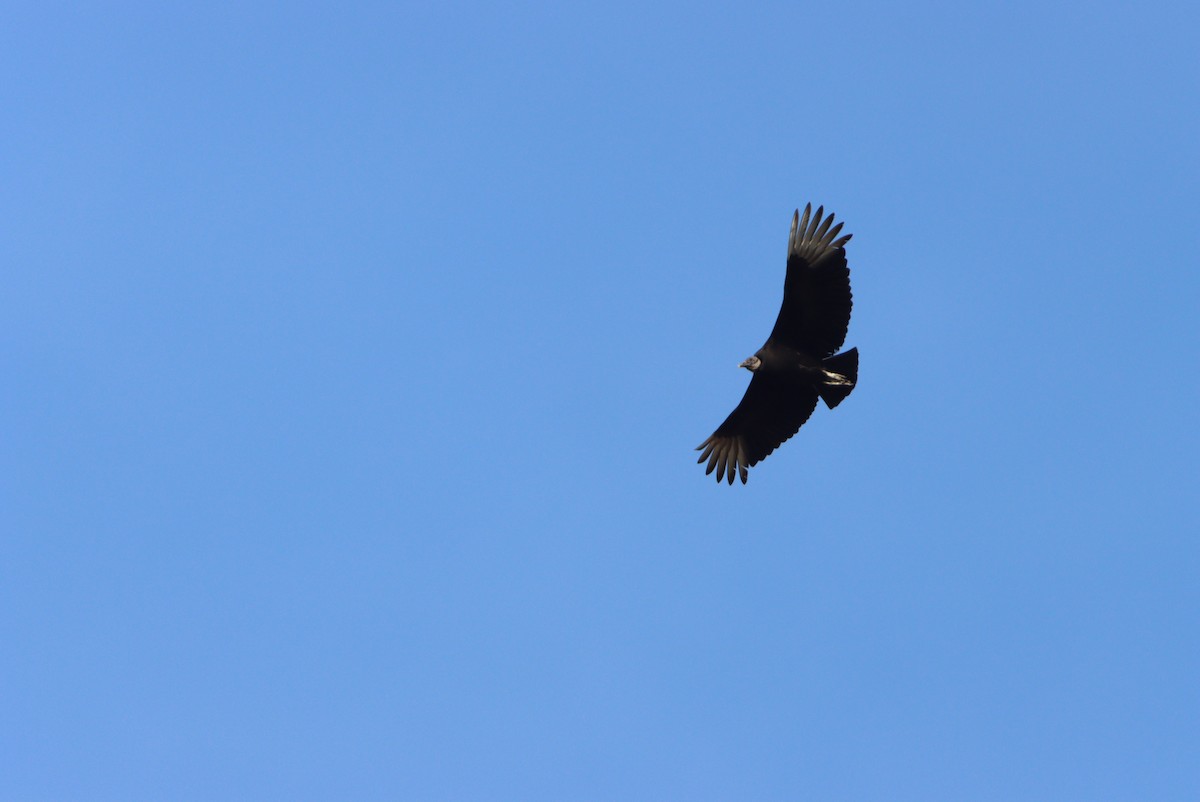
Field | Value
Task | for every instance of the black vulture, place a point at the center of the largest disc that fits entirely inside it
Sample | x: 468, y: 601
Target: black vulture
x: 799, y: 361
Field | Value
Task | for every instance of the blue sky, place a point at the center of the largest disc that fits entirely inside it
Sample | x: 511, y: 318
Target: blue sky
x: 354, y: 357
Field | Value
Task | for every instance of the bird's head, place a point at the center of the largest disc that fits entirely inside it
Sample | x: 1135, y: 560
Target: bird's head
x: 751, y: 364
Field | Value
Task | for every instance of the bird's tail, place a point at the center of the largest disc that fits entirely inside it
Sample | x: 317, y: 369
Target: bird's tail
x: 841, y: 372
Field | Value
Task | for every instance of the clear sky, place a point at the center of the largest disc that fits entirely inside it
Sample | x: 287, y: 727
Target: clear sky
x: 352, y: 357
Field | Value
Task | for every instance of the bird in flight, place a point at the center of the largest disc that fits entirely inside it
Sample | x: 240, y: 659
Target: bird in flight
x: 799, y: 362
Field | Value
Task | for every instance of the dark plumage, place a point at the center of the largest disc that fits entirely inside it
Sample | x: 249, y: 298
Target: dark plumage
x: 797, y: 364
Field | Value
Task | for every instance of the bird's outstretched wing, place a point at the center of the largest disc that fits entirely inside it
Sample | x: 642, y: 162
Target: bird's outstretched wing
x: 816, y: 305
x: 771, y: 411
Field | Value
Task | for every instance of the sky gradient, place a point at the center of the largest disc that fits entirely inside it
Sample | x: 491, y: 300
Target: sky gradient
x: 353, y: 358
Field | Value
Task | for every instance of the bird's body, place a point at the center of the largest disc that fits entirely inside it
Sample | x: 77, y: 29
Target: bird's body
x: 779, y: 358
x: 799, y: 362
